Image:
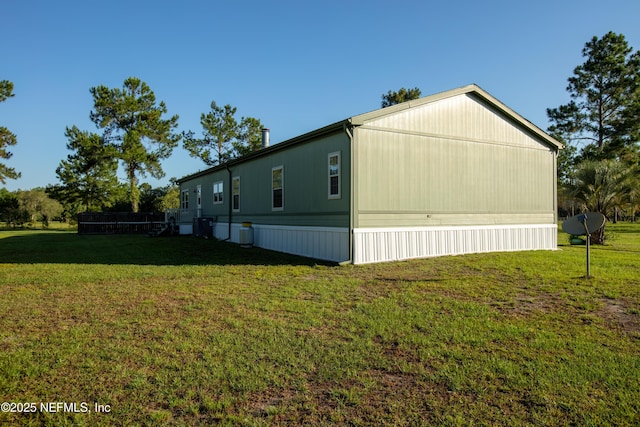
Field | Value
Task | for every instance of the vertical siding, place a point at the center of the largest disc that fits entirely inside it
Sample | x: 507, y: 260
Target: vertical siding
x: 311, y: 224
x: 412, y: 172
x: 393, y: 244
x: 451, y: 158
x: 465, y: 117
x: 306, y: 201
x: 326, y: 243
x: 456, y: 175
x: 331, y: 244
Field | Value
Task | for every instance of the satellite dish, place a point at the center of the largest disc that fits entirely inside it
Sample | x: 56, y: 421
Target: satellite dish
x: 583, y: 224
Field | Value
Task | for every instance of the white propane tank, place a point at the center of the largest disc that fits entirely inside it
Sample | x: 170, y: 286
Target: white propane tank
x: 246, y: 235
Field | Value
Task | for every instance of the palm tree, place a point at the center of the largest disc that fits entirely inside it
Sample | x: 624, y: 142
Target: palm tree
x: 604, y: 186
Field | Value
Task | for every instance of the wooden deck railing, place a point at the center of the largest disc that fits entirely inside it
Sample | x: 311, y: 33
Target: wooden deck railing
x: 118, y: 222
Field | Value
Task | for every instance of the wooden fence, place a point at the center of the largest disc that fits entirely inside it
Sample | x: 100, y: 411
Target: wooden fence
x: 118, y: 222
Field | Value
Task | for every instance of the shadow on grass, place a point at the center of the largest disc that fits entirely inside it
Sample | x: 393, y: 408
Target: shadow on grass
x: 38, y: 247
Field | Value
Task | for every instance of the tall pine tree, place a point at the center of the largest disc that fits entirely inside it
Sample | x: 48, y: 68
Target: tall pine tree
x: 7, y: 138
x: 134, y: 130
x: 600, y: 128
x: 601, y: 119
x: 88, y: 175
x: 223, y: 137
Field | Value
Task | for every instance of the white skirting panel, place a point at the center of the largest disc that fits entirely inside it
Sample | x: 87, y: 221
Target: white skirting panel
x: 186, y: 229
x: 393, y: 244
x: 325, y: 243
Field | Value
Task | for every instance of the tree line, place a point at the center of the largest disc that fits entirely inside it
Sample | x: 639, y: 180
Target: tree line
x: 38, y: 206
x: 597, y: 169
x: 135, y: 135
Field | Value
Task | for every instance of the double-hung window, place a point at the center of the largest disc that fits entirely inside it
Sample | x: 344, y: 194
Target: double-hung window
x: 218, y: 191
x: 235, y: 193
x: 334, y: 175
x: 184, y: 200
x: 277, y: 188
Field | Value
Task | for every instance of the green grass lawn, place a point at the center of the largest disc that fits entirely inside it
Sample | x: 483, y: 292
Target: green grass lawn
x: 185, y: 331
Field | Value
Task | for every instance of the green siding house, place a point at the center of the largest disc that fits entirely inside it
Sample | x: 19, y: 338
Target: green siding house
x: 452, y: 173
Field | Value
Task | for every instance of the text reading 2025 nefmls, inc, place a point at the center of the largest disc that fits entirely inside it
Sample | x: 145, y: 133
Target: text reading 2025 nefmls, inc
x: 54, y: 407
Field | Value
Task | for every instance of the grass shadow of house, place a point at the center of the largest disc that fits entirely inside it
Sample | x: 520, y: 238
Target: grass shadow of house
x: 49, y: 247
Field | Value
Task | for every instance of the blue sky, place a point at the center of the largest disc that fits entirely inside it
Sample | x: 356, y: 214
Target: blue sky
x: 295, y: 65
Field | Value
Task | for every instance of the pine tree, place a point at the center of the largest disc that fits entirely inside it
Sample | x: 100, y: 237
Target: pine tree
x: 88, y: 175
x: 7, y: 138
x: 223, y: 137
x: 402, y: 95
x: 602, y: 116
x: 132, y: 123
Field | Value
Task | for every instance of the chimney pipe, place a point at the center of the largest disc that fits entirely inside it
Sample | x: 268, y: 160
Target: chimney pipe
x: 265, y: 138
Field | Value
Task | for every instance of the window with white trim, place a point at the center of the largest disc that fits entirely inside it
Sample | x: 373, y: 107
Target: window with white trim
x: 235, y: 193
x: 184, y: 200
x: 277, y: 188
x: 334, y: 175
x: 218, y: 191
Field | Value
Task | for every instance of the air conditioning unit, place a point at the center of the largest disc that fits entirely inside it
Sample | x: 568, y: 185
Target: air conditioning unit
x: 203, y: 227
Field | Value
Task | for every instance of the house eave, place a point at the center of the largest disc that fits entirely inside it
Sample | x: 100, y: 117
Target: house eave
x: 361, y: 119
x: 334, y: 127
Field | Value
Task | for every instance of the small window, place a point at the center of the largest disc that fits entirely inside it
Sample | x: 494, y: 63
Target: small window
x: 184, y: 200
x: 277, y: 188
x: 218, y: 190
x: 334, y: 175
x: 236, y: 193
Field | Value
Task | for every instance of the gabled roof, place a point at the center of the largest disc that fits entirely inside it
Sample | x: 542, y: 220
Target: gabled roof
x: 361, y: 119
x: 469, y: 89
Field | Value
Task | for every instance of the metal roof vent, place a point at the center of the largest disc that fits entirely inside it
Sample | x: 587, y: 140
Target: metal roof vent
x: 265, y: 138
